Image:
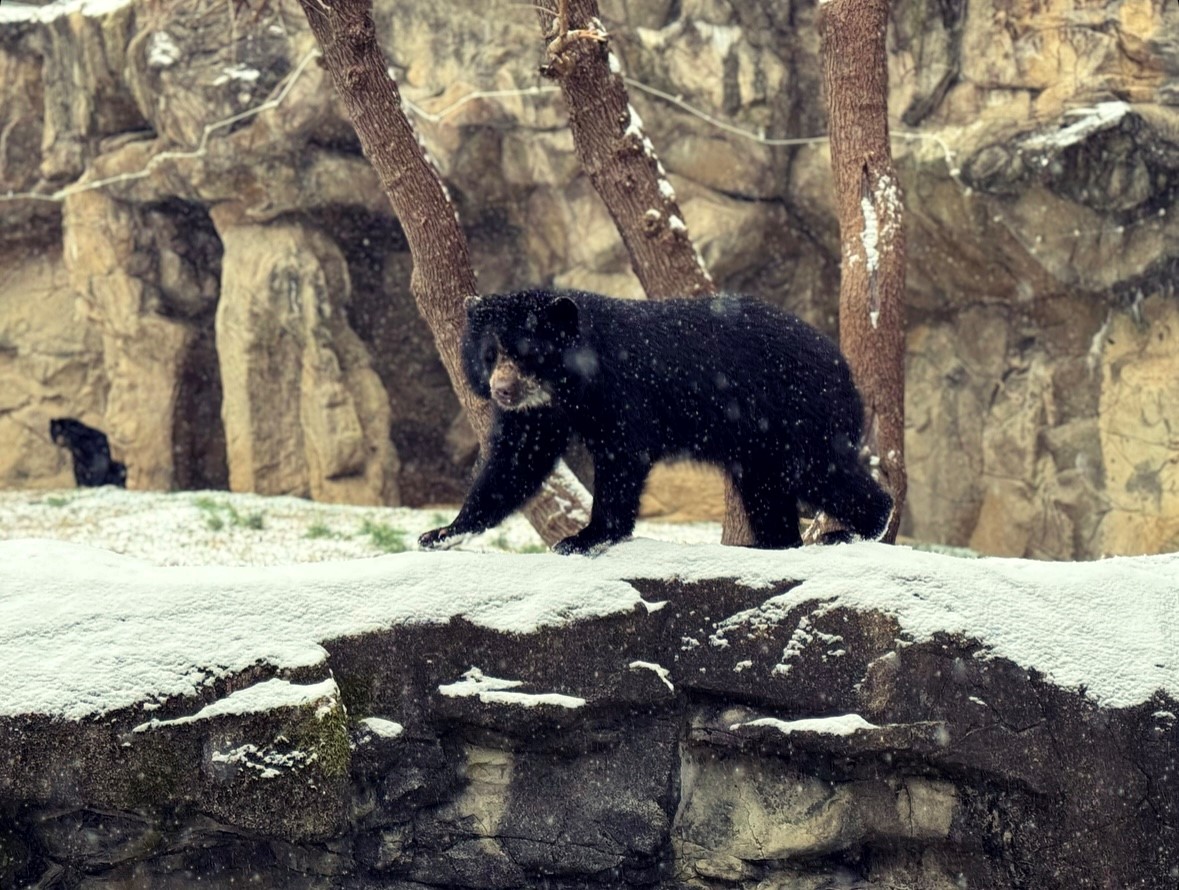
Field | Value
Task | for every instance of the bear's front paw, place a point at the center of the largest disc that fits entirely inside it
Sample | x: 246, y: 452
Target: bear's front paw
x: 440, y: 538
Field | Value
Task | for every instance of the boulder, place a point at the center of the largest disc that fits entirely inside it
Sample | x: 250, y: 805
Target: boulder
x: 304, y: 411
x: 147, y: 282
x: 50, y: 365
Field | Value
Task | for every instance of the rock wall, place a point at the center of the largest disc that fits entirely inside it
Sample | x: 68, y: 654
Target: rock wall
x: 717, y: 731
x: 1040, y: 164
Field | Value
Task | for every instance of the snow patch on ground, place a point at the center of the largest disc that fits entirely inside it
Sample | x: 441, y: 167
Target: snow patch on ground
x: 84, y: 631
x: 218, y: 528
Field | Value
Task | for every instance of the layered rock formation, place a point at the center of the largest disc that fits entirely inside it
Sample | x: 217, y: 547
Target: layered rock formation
x: 1040, y: 165
x: 834, y: 717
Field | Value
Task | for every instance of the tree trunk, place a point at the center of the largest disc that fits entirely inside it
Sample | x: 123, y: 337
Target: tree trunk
x: 871, y: 226
x: 442, y: 276
x: 622, y: 165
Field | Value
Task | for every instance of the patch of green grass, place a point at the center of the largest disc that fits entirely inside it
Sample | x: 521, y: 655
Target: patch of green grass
x: 320, y: 530
x: 255, y: 521
x: 221, y: 514
x: 533, y: 548
x: 384, y: 536
x: 56, y: 501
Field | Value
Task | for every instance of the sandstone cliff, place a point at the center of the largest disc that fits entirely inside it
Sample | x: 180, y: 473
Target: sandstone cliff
x: 210, y: 273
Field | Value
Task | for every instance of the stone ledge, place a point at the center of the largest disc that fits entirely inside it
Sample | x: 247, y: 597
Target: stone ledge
x: 476, y: 720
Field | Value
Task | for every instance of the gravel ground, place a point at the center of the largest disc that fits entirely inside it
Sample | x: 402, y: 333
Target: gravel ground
x: 219, y: 528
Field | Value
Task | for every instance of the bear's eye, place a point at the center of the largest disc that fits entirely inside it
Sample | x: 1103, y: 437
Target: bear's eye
x: 488, y: 354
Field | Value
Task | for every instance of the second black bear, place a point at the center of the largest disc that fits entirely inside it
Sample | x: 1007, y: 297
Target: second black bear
x: 728, y: 380
x: 91, y: 453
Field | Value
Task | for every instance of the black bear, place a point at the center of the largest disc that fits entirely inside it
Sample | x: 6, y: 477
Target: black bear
x: 91, y: 453
x: 728, y: 380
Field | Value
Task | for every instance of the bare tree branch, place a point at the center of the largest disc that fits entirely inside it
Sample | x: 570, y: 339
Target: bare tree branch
x: 442, y: 277
x: 622, y: 164
x: 617, y: 155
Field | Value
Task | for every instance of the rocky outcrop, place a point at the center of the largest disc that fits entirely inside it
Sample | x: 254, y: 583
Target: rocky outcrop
x: 304, y: 411
x: 835, y: 717
x: 1039, y: 163
x: 50, y: 366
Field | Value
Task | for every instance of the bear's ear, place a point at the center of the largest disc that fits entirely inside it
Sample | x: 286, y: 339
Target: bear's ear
x: 475, y: 367
x: 561, y: 317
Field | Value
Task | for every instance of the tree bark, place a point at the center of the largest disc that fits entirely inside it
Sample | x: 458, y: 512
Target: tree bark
x: 622, y: 164
x: 871, y: 225
x: 442, y: 277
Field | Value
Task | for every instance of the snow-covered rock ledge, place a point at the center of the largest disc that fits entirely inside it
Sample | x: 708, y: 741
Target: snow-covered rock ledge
x: 661, y: 715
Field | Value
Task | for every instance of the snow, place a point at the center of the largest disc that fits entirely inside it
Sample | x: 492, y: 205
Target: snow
x: 266, y: 762
x: 1092, y: 119
x: 805, y: 634
x: 493, y: 690
x: 869, y: 238
x: 382, y: 728
x: 260, y: 698
x: 660, y: 671
x: 23, y: 12
x: 846, y: 724
x: 881, y: 211
x: 567, y: 480
x: 162, y: 51
x: 84, y: 631
x: 219, y: 528
x: 1097, y: 344
x: 240, y: 72
x: 634, y: 124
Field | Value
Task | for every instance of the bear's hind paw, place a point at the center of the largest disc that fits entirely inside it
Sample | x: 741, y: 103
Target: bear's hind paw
x: 576, y: 545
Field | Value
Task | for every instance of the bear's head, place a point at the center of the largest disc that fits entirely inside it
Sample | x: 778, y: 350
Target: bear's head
x: 523, y: 349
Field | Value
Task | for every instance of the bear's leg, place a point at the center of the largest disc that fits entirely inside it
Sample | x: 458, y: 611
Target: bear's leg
x: 618, y: 484
x: 851, y: 495
x: 80, y: 460
x: 772, y: 509
x: 524, y: 449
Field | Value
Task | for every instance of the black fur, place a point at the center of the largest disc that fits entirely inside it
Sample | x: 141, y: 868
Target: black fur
x: 728, y: 380
x: 91, y: 452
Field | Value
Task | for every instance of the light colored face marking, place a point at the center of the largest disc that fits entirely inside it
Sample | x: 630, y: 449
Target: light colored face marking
x: 513, y: 390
